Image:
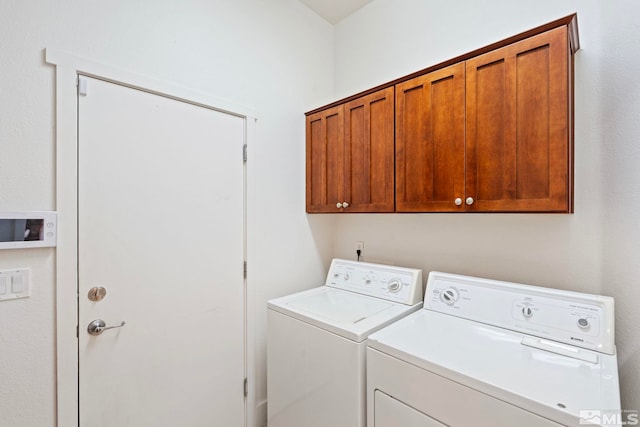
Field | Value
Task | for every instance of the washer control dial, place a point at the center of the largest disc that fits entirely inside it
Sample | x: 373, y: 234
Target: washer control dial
x: 449, y: 296
x: 527, y: 312
x: 583, y: 323
x: 394, y: 285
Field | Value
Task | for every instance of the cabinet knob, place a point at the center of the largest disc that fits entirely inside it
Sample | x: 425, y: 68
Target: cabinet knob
x: 345, y: 204
x: 458, y: 201
x: 469, y: 201
x: 338, y: 205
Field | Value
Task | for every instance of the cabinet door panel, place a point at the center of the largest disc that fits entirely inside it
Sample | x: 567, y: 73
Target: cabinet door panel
x: 325, y: 160
x: 430, y: 141
x: 490, y: 162
x: 369, y: 151
x: 518, y: 147
x: 533, y: 124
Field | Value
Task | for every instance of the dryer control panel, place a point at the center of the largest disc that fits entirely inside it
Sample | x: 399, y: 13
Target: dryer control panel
x: 578, y: 319
x: 398, y: 284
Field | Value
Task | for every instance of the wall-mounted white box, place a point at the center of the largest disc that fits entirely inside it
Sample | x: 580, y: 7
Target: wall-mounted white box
x: 28, y: 229
x: 15, y: 284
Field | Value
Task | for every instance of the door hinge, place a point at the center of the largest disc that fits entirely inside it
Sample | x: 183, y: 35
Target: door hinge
x: 246, y: 387
x: 245, y: 269
x: 244, y: 153
x: 82, y: 86
x: 77, y: 331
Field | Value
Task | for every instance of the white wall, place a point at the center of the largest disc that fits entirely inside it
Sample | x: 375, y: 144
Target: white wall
x: 275, y: 56
x: 596, y: 249
x: 618, y: 90
x: 278, y: 57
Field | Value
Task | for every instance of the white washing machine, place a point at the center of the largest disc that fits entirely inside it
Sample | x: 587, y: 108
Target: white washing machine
x: 316, y: 342
x: 488, y: 353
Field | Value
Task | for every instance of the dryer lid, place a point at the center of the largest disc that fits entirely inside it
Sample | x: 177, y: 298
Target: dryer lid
x: 501, y: 363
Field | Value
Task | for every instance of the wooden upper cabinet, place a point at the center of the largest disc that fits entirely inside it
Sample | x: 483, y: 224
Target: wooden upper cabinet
x: 350, y: 152
x: 488, y: 131
x: 430, y: 143
x: 518, y: 145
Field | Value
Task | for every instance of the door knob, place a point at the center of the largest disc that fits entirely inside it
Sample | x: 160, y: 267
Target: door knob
x: 469, y: 201
x: 345, y: 204
x: 98, y: 326
x: 338, y: 205
x: 458, y: 201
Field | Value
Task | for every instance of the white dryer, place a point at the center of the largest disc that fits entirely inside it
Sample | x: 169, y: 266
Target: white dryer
x: 316, y: 342
x: 484, y: 353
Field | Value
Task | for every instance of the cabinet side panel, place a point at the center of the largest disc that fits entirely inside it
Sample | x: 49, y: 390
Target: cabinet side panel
x: 560, y: 121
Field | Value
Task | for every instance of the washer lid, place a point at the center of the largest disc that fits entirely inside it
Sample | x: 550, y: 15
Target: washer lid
x: 351, y: 315
x: 339, y: 307
x: 495, y: 361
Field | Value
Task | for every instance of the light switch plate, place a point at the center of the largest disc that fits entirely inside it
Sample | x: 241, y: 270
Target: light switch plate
x: 3, y: 285
x: 17, y: 284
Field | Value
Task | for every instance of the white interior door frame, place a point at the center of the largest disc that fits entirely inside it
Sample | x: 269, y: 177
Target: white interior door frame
x: 68, y: 67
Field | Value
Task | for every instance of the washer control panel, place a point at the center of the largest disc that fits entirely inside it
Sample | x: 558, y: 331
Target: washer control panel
x: 392, y: 283
x: 578, y: 319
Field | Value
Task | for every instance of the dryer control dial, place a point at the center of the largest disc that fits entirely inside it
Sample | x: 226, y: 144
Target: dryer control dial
x: 583, y: 323
x: 449, y: 296
x: 527, y: 312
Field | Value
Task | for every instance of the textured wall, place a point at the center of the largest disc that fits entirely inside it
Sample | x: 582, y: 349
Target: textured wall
x: 275, y: 56
x: 618, y: 91
x: 596, y: 249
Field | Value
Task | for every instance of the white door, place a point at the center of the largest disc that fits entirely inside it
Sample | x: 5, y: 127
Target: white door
x: 161, y: 229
